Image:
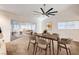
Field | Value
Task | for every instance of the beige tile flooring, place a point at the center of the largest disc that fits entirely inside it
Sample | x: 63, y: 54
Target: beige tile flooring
x: 19, y: 47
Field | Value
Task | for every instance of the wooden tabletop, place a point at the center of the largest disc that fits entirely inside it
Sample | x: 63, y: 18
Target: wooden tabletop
x: 48, y: 37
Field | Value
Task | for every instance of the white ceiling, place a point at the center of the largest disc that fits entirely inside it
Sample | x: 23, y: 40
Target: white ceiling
x: 26, y: 10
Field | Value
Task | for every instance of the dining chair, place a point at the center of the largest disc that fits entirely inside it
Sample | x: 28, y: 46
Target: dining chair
x: 64, y: 44
x: 42, y: 44
x: 32, y: 40
x: 48, y: 35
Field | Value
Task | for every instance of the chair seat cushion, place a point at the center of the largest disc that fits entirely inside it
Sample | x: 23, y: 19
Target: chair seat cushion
x: 43, y: 46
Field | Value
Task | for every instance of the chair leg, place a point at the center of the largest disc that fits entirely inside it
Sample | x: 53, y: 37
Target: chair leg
x: 58, y: 48
x: 66, y: 49
x: 46, y: 51
x: 28, y: 46
x: 34, y: 49
x: 69, y: 51
x: 49, y: 49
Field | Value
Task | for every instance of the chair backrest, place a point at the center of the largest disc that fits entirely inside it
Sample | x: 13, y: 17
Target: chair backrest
x: 47, y: 35
x: 66, y: 40
x: 56, y: 36
x: 41, y: 41
x: 32, y: 37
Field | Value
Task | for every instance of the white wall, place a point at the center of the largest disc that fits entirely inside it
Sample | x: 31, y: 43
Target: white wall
x: 5, y: 26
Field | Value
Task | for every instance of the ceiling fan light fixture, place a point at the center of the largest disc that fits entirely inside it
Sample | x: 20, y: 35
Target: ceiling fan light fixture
x: 47, y: 13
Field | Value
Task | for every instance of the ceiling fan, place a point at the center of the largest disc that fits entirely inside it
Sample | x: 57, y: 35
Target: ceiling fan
x: 47, y: 13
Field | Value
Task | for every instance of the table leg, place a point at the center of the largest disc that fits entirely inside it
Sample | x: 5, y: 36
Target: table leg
x: 53, y: 46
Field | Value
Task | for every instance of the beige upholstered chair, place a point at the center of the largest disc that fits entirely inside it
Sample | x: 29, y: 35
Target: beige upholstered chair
x: 42, y: 44
x: 64, y: 43
x: 32, y: 40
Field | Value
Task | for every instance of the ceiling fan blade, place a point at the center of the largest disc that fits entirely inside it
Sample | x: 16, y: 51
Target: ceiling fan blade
x: 42, y: 10
x: 53, y: 12
x: 49, y: 10
x: 37, y: 12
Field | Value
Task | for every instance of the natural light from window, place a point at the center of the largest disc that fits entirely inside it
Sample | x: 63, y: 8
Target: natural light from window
x: 68, y: 25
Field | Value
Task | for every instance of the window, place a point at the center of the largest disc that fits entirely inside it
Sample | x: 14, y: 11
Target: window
x: 28, y: 26
x: 68, y: 25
